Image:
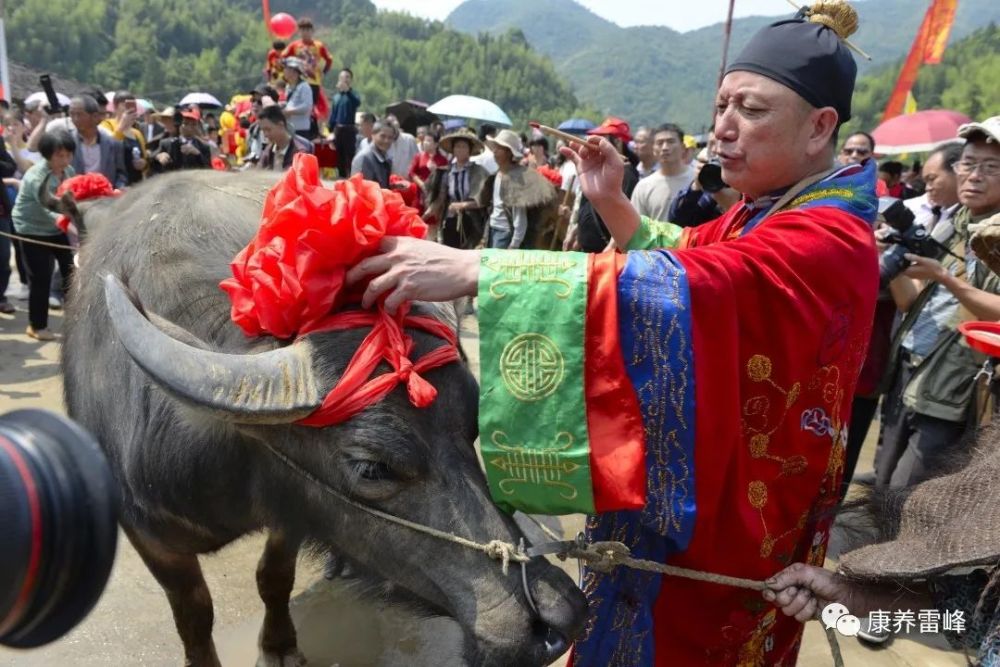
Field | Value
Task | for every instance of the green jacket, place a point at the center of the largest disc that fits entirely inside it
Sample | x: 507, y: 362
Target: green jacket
x: 29, y: 215
x: 943, y: 383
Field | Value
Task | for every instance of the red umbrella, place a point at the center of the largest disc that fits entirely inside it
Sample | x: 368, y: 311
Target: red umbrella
x: 918, y: 132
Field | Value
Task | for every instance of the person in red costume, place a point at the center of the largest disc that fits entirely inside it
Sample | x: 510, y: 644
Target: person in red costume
x: 692, y: 393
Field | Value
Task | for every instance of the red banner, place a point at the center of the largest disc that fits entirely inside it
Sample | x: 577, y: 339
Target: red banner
x: 928, y: 49
x: 940, y: 16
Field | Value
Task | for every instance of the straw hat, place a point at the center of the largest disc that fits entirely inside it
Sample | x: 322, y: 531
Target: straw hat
x: 449, y: 140
x: 509, y: 140
x: 944, y: 523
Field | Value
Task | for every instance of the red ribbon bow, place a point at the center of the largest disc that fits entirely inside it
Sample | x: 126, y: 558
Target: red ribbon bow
x: 290, y: 278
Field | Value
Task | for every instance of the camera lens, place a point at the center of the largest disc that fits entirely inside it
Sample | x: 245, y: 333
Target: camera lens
x: 58, y: 516
x: 710, y: 177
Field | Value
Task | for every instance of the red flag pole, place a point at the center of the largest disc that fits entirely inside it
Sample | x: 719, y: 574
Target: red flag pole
x: 725, y: 52
x: 725, y: 43
x: 267, y: 13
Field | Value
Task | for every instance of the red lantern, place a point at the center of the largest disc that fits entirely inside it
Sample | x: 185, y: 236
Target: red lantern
x: 283, y: 25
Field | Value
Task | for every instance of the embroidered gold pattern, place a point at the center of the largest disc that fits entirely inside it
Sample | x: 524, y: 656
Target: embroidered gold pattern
x: 521, y: 267
x: 823, y: 193
x: 759, y: 425
x: 759, y: 368
x: 531, y: 367
x: 752, y: 652
x: 538, y: 466
x: 757, y: 494
x: 666, y: 491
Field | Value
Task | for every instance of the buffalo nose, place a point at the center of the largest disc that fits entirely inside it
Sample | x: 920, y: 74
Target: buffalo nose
x: 561, y: 613
x: 555, y: 645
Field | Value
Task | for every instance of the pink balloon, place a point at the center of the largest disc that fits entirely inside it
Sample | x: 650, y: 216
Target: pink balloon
x: 283, y: 25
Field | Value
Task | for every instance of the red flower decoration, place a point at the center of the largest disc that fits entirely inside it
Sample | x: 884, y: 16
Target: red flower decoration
x: 291, y: 275
x: 551, y: 174
x: 87, y: 186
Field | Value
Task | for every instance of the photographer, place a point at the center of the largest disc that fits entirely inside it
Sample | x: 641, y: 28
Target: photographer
x: 706, y: 198
x: 186, y: 151
x: 933, y: 395
x: 123, y: 127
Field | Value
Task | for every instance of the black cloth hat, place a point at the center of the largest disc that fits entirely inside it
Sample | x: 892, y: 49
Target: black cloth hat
x: 806, y: 55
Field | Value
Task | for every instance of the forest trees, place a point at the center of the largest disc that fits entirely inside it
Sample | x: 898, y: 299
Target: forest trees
x: 164, y: 49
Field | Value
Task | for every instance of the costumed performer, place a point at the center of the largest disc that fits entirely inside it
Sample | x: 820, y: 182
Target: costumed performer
x: 692, y: 394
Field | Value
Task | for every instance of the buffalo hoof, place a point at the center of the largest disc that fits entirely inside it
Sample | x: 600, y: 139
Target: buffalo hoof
x: 290, y: 659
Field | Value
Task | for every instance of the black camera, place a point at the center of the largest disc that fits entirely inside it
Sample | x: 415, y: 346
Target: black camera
x: 905, y: 237
x: 59, y: 519
x: 710, y: 176
x: 53, y: 106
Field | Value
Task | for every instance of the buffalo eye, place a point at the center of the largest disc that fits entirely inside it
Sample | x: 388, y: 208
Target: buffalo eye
x: 372, y: 471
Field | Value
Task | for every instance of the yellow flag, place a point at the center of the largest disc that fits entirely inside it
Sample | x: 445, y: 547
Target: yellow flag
x: 911, y: 103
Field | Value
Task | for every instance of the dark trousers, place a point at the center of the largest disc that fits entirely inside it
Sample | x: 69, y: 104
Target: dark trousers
x: 912, y: 445
x: 345, y: 140
x: 41, y: 260
x: 22, y: 267
x: 464, y: 235
x: 5, y: 248
x: 862, y: 413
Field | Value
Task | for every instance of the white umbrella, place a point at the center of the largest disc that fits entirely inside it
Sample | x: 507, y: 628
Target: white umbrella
x: 43, y: 98
x: 200, y: 99
x: 473, y: 108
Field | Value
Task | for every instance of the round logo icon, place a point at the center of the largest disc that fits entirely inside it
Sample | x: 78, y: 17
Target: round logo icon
x: 832, y: 613
x: 531, y: 367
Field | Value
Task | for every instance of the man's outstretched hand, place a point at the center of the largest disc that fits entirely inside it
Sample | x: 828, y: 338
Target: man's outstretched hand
x: 408, y: 269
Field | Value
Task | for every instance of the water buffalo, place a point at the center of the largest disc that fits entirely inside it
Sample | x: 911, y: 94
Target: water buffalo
x: 183, y: 402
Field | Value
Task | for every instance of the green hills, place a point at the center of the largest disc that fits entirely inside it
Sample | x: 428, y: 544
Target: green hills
x: 654, y: 74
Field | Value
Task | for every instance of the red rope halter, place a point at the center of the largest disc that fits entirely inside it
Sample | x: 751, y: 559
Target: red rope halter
x: 290, y: 277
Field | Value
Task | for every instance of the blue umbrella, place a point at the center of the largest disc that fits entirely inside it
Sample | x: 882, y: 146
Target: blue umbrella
x: 473, y: 108
x: 577, y: 125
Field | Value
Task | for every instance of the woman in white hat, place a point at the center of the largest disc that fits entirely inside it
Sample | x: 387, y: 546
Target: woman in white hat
x: 516, y: 195
x: 299, y: 105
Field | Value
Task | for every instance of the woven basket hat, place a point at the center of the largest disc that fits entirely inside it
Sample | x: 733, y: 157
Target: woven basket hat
x: 947, y: 522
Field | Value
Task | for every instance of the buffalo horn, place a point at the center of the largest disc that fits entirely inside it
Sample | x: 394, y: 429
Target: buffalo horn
x: 274, y: 387
x: 45, y: 197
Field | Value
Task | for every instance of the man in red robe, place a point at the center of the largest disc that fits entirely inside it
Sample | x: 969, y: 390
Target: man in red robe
x: 693, y: 393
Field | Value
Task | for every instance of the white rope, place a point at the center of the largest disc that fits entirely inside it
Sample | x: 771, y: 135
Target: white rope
x: 25, y: 239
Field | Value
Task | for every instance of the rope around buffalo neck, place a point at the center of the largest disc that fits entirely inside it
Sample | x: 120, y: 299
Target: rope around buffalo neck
x: 495, y: 549
x: 599, y: 556
x: 24, y: 239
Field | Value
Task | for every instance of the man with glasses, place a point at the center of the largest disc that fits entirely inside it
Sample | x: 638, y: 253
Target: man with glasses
x: 933, y: 398
x: 857, y: 148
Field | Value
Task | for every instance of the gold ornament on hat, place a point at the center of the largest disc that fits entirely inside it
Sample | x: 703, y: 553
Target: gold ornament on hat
x: 837, y: 15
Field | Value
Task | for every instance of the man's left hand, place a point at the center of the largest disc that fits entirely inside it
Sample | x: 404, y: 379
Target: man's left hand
x: 599, y: 168
x: 410, y: 269
x: 925, y: 268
